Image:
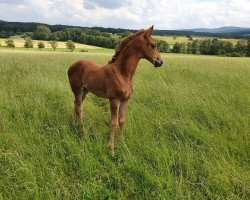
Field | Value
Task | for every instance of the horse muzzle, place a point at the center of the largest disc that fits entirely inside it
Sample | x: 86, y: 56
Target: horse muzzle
x: 158, y: 62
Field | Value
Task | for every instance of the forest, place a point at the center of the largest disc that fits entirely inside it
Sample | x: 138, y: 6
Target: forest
x: 21, y: 27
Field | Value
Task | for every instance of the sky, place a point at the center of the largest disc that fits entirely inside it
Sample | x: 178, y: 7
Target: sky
x: 132, y: 14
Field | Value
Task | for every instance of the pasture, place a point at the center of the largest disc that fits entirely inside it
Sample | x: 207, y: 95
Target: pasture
x: 187, y: 134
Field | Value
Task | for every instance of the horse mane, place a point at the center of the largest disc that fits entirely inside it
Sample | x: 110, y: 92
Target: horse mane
x: 123, y: 43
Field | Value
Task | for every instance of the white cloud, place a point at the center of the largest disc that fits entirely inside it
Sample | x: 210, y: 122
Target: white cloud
x: 164, y: 14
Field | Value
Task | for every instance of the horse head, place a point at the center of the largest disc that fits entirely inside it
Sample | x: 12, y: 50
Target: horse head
x: 149, y: 48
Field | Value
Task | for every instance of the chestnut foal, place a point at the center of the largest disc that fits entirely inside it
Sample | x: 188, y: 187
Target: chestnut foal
x: 113, y: 80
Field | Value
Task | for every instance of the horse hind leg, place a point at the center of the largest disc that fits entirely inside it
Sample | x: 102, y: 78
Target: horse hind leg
x: 79, y: 97
x: 85, y: 92
x: 77, y: 105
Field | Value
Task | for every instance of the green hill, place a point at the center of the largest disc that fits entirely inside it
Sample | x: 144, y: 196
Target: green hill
x: 224, y: 29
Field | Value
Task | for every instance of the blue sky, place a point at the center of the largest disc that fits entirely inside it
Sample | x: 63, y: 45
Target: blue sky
x: 135, y: 14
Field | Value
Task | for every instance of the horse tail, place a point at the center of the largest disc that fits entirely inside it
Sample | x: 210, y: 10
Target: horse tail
x: 75, y: 74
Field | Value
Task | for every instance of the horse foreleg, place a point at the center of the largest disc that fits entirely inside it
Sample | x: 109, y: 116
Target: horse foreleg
x: 122, y: 110
x: 114, y: 109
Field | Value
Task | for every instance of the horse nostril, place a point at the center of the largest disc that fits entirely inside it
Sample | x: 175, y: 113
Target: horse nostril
x: 158, y: 62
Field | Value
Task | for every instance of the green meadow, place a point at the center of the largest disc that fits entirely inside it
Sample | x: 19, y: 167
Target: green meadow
x: 187, y: 134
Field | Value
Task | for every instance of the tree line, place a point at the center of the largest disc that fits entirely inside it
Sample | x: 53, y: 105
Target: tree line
x: 208, y: 47
x: 80, y: 35
x: 85, y: 36
x: 28, y: 43
x: 214, y: 47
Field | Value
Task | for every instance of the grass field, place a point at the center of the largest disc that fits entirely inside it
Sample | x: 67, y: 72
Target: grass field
x: 186, y: 135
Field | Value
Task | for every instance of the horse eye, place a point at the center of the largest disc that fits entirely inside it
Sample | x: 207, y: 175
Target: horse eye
x: 153, y: 46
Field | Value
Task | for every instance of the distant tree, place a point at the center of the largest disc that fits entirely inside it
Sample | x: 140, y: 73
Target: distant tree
x: 11, y: 33
x: 27, y: 35
x: 53, y: 36
x: 54, y: 44
x: 189, y: 37
x: 241, y: 46
x: 42, y: 32
x: 70, y: 45
x: 83, y: 38
x: 175, y: 37
x: 4, y: 34
x: 28, y: 43
x: 10, y: 43
x: 189, y: 47
x: 227, y: 48
x: 215, y: 47
x: 248, y: 48
x: 182, y: 47
x: 18, y: 32
x: 205, y: 46
x: 162, y: 45
x: 195, y: 46
x: 176, y: 48
x: 234, y: 54
x: 125, y: 34
x: 40, y: 45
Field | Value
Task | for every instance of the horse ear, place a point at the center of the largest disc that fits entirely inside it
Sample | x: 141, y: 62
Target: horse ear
x: 149, y: 31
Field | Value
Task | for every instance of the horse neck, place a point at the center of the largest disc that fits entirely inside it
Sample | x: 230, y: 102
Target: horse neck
x: 128, y: 61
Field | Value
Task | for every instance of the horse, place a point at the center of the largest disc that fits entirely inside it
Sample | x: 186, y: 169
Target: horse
x: 114, y: 80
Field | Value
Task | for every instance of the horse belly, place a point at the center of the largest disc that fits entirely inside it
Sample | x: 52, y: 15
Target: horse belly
x: 94, y: 83
x: 99, y: 93
x: 97, y: 89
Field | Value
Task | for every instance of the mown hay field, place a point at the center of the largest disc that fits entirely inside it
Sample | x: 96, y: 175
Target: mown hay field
x: 187, y: 133
x: 19, y: 43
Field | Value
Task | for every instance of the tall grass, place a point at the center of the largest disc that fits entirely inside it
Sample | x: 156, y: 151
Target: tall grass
x: 186, y: 134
